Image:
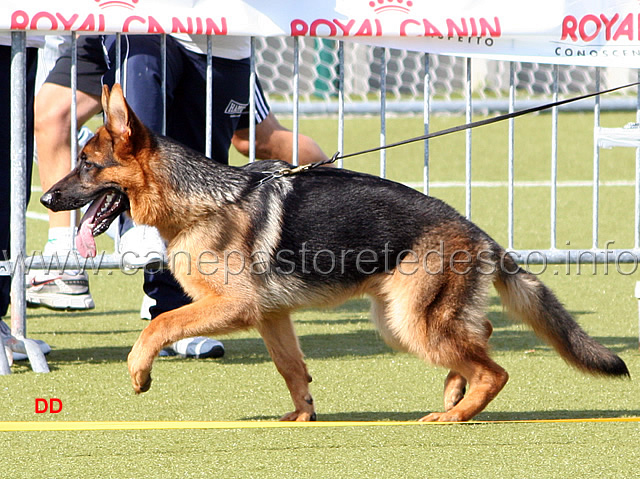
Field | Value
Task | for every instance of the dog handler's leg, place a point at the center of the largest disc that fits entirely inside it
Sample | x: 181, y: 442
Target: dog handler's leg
x: 211, y: 315
x: 281, y: 341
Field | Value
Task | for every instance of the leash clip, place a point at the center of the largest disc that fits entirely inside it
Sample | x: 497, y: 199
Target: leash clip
x: 282, y: 172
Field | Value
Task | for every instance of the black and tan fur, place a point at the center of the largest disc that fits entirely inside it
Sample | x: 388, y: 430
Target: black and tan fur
x: 376, y: 227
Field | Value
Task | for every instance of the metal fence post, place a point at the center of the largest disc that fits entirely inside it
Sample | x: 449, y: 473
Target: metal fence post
x: 19, y: 159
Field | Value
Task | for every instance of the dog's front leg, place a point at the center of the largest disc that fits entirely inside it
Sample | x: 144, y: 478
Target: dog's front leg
x: 212, y: 315
x: 280, y: 338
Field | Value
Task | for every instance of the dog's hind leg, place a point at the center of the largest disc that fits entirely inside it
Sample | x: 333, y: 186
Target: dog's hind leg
x: 455, y: 383
x: 486, y: 379
x: 282, y: 343
x: 211, y: 315
x: 465, y: 352
x: 442, y: 320
x: 454, y: 389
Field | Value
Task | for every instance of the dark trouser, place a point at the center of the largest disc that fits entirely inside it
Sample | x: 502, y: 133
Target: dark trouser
x: 5, y: 154
x: 186, y: 105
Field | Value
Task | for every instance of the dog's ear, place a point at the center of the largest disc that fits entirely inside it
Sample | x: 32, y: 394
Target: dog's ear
x: 105, y: 99
x: 118, y: 113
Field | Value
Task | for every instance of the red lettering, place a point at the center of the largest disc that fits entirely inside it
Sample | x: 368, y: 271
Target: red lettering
x: 320, y: 23
x: 101, y: 23
x: 299, y: 27
x: 44, y: 15
x: 67, y: 24
x: 211, y: 26
x: 474, y: 28
x: 454, y: 30
x: 19, y: 20
x: 57, y: 403
x: 129, y: 20
x: 608, y: 24
x: 155, y: 27
x: 625, y: 28
x: 178, y: 27
x: 583, y: 27
x: 378, y: 27
x: 41, y: 405
x: 403, y: 26
x: 569, y: 25
x: 365, y: 30
x: 430, y: 29
x: 53, y: 405
x: 89, y: 24
x: 345, y: 28
x: 485, y: 28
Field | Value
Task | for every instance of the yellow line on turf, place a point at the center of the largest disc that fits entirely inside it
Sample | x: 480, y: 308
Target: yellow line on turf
x: 8, y: 426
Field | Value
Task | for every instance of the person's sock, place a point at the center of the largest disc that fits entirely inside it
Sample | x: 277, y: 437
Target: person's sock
x: 60, y: 241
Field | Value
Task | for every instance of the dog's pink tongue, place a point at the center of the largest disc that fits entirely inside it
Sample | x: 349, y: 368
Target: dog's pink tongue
x: 85, y: 243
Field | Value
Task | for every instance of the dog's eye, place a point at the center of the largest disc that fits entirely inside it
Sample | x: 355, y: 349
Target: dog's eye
x: 87, y: 165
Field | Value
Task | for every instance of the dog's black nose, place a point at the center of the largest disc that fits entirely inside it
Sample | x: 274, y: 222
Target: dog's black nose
x: 49, y: 198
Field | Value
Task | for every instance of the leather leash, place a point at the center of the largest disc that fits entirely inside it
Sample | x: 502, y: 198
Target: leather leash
x: 487, y: 121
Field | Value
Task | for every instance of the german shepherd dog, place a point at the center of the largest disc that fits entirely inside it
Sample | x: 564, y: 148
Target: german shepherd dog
x: 250, y: 246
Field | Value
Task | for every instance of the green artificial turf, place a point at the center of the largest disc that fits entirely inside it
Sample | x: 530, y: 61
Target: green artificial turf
x: 356, y: 376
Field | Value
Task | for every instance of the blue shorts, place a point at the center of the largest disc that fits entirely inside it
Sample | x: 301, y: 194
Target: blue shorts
x: 186, y: 113
x: 186, y: 82
x: 186, y: 91
x: 186, y: 106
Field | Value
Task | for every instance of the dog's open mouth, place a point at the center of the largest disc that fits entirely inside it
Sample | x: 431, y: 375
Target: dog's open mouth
x: 97, y: 219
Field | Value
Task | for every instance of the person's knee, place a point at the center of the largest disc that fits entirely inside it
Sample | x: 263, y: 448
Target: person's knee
x: 52, y: 114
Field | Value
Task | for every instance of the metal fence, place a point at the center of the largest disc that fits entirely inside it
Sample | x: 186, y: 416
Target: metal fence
x: 336, y: 102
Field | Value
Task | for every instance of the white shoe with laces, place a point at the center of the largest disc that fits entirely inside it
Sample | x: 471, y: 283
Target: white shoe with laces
x: 140, y: 246
x: 60, y: 291
x: 5, y: 334
x: 199, y: 347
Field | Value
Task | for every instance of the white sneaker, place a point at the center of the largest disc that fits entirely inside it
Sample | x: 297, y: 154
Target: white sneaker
x: 5, y: 334
x: 44, y: 347
x: 141, y: 246
x: 198, y: 347
x: 145, y: 308
x: 61, y: 291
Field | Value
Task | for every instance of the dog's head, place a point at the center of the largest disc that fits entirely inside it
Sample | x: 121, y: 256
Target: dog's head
x: 107, y: 171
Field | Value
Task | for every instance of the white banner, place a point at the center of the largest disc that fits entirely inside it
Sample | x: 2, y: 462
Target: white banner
x: 580, y: 32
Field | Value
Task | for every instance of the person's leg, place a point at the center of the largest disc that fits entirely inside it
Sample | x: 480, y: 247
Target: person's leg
x: 67, y: 289
x: 142, y: 63
x: 186, y: 115
x: 143, y: 66
x: 5, y: 155
x: 52, y: 128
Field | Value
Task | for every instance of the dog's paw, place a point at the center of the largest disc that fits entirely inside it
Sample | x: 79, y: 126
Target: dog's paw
x: 140, y: 376
x: 141, y: 382
x: 441, y: 417
x: 300, y: 416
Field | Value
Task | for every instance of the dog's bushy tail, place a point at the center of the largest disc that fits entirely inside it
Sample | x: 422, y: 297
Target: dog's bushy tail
x: 536, y: 305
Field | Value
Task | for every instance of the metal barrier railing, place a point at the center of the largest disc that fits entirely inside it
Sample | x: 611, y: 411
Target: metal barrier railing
x: 551, y: 255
